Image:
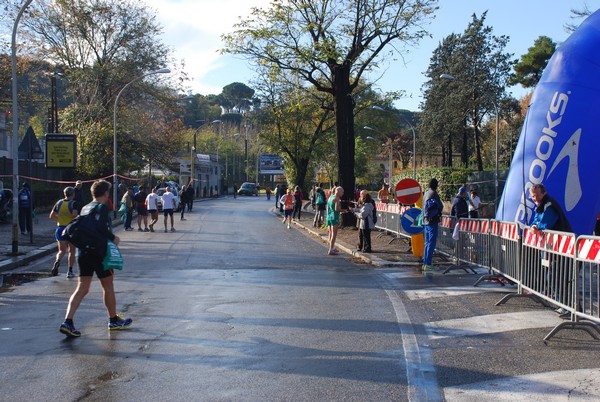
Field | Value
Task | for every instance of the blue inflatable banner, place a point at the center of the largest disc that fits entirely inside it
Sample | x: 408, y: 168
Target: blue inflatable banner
x: 559, y: 144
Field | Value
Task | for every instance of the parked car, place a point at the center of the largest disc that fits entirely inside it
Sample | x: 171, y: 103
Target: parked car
x: 175, y: 192
x: 248, y: 189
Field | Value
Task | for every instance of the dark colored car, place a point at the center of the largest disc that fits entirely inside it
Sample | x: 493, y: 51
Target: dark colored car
x: 248, y: 189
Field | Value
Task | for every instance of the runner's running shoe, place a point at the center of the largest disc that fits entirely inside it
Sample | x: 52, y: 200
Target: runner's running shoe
x: 119, y: 323
x: 69, y: 330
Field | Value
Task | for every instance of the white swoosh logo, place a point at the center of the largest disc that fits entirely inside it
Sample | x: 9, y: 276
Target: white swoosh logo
x: 573, y: 191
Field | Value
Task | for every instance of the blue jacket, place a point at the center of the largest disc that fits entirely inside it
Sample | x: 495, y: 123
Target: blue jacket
x: 550, y: 216
x: 24, y: 198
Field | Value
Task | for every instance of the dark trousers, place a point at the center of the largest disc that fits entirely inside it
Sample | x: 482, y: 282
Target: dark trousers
x: 25, y: 219
x: 183, y: 209
x: 128, y: 217
x: 268, y: 196
x: 190, y: 204
x: 364, y: 240
x: 297, y: 210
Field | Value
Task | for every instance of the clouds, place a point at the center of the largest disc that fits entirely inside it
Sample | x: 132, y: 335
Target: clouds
x: 193, y: 29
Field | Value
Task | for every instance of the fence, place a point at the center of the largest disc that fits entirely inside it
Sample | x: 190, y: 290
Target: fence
x: 388, y: 220
x: 505, y: 253
x: 556, y: 269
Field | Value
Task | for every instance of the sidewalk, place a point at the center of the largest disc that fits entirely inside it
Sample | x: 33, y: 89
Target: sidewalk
x: 30, y: 246
x: 388, y: 250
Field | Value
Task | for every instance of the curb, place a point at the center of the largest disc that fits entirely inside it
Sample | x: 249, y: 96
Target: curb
x: 18, y: 261
x: 367, y: 258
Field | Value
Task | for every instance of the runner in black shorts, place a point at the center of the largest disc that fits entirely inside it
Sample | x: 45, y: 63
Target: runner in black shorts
x: 142, y: 211
x: 91, y: 261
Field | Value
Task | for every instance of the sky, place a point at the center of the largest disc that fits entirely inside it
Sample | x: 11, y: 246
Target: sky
x: 192, y: 29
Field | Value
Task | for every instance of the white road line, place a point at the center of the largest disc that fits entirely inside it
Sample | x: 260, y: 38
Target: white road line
x: 420, y: 370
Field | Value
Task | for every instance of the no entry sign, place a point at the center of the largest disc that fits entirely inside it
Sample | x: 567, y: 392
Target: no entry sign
x: 408, y: 191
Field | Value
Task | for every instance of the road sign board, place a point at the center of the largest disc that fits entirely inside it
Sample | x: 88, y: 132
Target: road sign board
x: 409, y: 221
x: 408, y: 191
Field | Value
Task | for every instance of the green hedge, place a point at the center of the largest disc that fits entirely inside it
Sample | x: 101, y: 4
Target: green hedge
x: 449, y: 179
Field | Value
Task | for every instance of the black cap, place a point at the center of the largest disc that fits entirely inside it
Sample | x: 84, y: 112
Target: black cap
x: 433, y: 184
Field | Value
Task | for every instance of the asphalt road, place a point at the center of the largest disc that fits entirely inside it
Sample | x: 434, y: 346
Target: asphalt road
x: 235, y: 307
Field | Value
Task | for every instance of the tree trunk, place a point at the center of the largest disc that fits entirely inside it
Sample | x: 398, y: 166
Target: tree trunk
x: 344, y: 115
x: 302, y: 169
x: 465, y: 145
x: 478, y: 146
x: 449, y: 161
x: 344, y: 107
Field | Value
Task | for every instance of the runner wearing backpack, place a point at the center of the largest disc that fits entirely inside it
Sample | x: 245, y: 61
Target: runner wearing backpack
x: 90, y: 261
x: 432, y: 212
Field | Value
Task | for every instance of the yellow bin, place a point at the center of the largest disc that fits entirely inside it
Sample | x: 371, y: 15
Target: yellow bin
x: 418, y: 244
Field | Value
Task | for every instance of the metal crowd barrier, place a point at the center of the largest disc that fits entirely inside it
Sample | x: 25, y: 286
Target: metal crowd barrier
x: 472, y: 247
x: 388, y: 220
x: 445, y: 243
x: 505, y: 253
x: 381, y: 218
x: 585, y: 313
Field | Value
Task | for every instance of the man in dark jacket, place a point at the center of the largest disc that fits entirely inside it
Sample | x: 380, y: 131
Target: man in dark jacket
x: 460, y: 208
x: 431, y: 221
x: 550, y: 216
x: 190, y: 195
x: 25, y: 209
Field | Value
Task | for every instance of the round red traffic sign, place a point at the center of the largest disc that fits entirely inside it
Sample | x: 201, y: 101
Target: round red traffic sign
x: 408, y: 191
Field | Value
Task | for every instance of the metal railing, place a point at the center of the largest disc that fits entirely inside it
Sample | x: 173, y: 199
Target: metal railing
x: 556, y: 269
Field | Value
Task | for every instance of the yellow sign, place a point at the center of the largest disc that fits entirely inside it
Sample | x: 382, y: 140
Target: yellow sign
x: 61, y: 151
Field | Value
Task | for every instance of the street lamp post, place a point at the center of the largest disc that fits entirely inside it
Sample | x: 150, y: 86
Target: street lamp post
x: 15, y: 140
x: 450, y: 77
x: 414, y: 152
x: 115, y: 180
x: 218, y: 161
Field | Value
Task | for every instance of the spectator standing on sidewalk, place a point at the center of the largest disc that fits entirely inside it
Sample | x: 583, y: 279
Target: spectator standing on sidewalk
x: 432, y: 212
x: 474, y: 203
x: 549, y: 215
x: 78, y: 198
x: 142, y: 211
x: 91, y: 261
x: 460, y: 208
x: 152, y: 206
x: 64, y: 211
x: 278, y: 194
x: 320, y: 205
x: 190, y: 195
x: 25, y: 209
x: 334, y: 208
x: 364, y: 213
x: 297, y: 202
x: 127, y: 200
x: 183, y: 199
x: 268, y: 192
